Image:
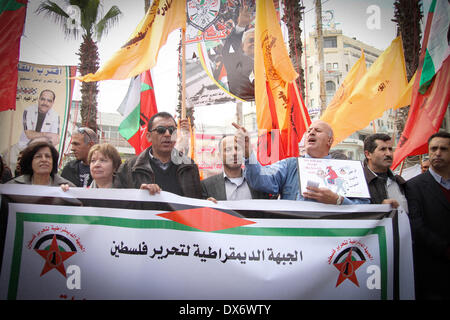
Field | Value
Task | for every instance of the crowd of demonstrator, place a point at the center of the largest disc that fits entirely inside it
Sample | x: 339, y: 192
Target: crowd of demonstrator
x: 426, y: 197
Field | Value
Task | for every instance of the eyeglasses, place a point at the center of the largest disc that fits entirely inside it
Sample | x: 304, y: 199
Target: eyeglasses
x: 162, y: 129
x: 84, y: 131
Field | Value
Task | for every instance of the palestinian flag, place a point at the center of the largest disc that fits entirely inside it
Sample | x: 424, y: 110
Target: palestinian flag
x: 428, y: 109
x: 137, y: 107
x: 437, y: 49
x: 12, y: 20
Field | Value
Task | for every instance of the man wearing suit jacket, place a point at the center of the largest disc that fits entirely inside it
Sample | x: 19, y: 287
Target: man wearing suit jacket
x: 428, y: 197
x: 230, y: 184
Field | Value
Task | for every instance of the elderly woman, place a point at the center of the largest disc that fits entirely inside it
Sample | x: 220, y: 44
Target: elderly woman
x: 39, y: 166
x: 104, y: 160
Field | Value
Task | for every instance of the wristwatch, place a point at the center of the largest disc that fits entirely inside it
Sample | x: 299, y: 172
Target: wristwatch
x: 339, y: 200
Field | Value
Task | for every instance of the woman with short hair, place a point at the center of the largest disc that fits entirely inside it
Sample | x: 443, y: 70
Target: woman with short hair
x: 39, y: 166
x: 104, y: 161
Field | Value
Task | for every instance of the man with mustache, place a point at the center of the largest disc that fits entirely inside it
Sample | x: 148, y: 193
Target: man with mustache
x: 428, y: 197
x: 40, y: 120
x: 384, y: 186
x: 161, y: 166
x: 282, y: 177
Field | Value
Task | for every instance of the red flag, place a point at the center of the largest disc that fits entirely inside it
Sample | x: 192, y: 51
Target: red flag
x: 280, y: 144
x: 427, y: 110
x: 425, y: 116
x: 12, y: 20
x: 138, y: 107
x: 299, y: 120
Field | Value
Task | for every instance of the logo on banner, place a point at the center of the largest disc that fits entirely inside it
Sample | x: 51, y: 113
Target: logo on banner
x: 56, y: 246
x: 348, y: 258
x: 202, y: 13
x: 59, y: 250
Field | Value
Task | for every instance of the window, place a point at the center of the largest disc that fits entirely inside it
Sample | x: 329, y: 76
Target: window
x: 312, y: 103
x: 346, y: 67
x: 328, y: 66
x: 335, y: 66
x: 330, y: 42
x: 311, y: 85
x: 330, y: 86
x: 310, y: 69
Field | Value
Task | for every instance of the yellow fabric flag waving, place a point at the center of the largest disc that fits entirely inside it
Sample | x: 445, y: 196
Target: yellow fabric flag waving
x: 278, y: 109
x: 405, y: 98
x: 272, y: 65
x: 141, y: 50
x: 378, y: 91
x: 354, y: 76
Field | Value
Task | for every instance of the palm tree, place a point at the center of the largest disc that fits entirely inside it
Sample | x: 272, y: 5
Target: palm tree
x: 408, y: 15
x: 84, y: 17
x: 293, y: 14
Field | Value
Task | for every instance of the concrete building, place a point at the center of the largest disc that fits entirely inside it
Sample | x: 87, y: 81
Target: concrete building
x: 340, y: 54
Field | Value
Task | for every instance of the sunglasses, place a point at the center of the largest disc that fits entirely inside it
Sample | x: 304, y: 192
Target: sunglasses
x: 84, y: 131
x: 162, y: 129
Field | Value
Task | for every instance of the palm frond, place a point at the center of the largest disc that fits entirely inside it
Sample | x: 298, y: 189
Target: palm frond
x: 62, y: 17
x: 89, y: 9
x: 108, y: 21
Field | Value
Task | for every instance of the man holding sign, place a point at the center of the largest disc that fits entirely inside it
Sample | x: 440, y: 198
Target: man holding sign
x: 282, y: 177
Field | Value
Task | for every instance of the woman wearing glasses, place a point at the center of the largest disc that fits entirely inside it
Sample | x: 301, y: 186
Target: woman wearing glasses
x: 39, y: 166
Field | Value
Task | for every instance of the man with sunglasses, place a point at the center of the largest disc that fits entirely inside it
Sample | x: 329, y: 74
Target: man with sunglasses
x: 161, y: 166
x: 78, y: 171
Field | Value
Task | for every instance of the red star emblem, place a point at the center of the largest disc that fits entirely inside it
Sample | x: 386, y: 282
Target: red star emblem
x: 54, y: 258
x: 347, y: 269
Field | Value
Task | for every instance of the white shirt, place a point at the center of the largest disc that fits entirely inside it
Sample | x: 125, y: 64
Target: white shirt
x: 237, y: 188
x: 443, y: 182
x: 393, y: 192
x: 30, y: 118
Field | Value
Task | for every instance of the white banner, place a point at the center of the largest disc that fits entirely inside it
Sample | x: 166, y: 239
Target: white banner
x: 126, y: 244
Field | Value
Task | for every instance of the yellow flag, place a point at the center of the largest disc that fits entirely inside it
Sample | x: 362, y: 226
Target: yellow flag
x: 141, y: 50
x: 378, y: 91
x: 273, y: 69
x: 405, y: 99
x: 353, y: 77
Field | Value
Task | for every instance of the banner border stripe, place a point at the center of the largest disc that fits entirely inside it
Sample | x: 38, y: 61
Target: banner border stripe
x: 22, y: 217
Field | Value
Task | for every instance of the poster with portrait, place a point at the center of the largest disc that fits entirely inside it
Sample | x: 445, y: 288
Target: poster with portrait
x: 220, y: 51
x: 43, y: 99
x: 344, y: 177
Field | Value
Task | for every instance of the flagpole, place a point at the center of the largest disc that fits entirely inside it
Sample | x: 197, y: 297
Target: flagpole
x: 183, y: 73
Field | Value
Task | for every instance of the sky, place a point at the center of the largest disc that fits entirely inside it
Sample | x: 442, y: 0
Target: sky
x: 44, y: 42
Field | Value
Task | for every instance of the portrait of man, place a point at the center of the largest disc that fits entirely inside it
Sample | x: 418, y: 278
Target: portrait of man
x: 238, y: 56
x: 40, y: 120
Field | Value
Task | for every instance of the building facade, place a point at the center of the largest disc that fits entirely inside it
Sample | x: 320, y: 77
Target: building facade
x: 340, y: 54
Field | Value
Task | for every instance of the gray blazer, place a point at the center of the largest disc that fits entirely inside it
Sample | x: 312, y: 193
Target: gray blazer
x: 214, y: 186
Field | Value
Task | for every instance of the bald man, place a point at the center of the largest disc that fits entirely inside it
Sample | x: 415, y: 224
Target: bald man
x: 282, y: 177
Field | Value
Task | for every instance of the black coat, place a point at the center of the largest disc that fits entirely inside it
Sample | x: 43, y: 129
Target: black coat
x: 137, y: 170
x: 377, y: 186
x: 71, y: 172
x: 429, y: 214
